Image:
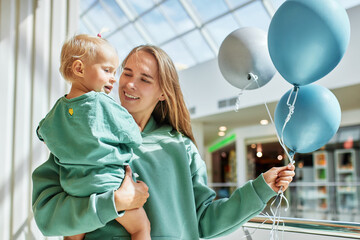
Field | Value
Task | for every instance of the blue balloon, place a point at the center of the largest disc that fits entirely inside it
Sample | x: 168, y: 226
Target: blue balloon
x: 315, y: 120
x: 307, y: 39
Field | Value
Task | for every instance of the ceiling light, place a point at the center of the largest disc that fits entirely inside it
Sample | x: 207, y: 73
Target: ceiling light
x: 221, y: 134
x: 259, y: 147
x: 222, y: 128
x: 264, y: 122
x: 259, y: 154
x: 280, y: 157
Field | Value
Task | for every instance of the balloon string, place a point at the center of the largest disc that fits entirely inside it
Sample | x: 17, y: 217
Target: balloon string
x: 252, y: 77
x: 249, y: 234
x: 291, y: 112
x: 277, y: 135
x: 276, y: 213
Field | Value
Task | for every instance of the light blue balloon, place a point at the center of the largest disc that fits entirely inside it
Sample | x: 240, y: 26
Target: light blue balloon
x: 307, y: 39
x: 315, y: 120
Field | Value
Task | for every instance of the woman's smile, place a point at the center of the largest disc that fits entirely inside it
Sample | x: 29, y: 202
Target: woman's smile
x: 130, y: 97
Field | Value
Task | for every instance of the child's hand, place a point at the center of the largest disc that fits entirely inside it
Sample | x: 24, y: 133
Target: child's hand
x: 131, y: 194
x: 280, y: 176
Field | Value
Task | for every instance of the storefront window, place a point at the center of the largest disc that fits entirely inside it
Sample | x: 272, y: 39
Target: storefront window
x: 326, y: 185
x: 327, y: 181
x: 224, y: 171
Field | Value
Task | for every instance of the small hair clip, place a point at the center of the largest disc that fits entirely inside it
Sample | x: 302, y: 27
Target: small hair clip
x: 102, y: 31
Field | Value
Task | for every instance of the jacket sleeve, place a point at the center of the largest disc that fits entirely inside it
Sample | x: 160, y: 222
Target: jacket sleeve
x: 223, y: 216
x: 59, y: 214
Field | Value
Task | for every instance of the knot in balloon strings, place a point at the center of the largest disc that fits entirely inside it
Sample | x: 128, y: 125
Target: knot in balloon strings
x: 251, y: 77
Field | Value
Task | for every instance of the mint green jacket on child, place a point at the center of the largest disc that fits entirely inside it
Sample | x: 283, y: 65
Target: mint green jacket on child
x: 92, y: 138
x: 180, y: 206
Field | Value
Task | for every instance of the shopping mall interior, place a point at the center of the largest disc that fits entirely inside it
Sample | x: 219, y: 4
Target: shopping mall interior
x: 234, y: 128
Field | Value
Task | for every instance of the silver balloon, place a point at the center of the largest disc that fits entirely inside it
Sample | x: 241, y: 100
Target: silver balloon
x: 243, y: 56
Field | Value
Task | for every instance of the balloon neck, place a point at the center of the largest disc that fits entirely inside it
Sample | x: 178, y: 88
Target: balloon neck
x: 252, y: 76
x: 296, y: 88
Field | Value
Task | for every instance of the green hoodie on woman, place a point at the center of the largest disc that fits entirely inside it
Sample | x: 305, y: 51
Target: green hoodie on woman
x: 180, y: 206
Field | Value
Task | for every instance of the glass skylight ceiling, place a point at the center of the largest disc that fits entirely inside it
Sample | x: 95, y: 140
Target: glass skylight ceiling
x: 190, y: 31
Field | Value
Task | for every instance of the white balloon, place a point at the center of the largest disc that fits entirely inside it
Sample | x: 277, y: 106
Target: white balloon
x: 243, y: 54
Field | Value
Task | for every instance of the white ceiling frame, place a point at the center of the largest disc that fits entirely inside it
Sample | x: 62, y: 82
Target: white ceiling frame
x: 172, y: 25
x: 269, y: 7
x: 88, y: 9
x: 89, y: 26
x: 133, y: 19
x: 238, y: 21
x: 106, y: 8
x: 195, y: 18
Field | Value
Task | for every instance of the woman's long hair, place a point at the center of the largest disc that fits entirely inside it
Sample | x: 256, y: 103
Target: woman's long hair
x: 173, y: 109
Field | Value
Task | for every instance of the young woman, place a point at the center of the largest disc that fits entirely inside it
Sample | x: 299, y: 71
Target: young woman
x: 181, y: 205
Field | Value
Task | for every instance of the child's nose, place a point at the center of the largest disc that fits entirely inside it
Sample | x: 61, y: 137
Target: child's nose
x: 112, y: 80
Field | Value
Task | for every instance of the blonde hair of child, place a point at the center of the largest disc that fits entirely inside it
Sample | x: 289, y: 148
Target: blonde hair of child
x: 80, y: 47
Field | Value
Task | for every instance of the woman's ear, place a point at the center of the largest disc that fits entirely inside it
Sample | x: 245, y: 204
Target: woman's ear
x: 78, y: 68
x: 162, y: 97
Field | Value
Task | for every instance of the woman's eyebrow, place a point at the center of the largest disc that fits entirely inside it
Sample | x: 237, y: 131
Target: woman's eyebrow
x: 144, y: 74
x: 147, y: 75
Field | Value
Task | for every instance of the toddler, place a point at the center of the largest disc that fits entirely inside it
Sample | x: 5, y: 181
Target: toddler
x: 89, y: 133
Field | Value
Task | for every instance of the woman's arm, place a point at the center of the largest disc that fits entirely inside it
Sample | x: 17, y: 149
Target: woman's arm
x: 59, y: 214
x: 223, y: 216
